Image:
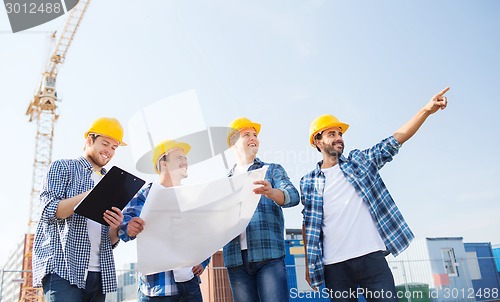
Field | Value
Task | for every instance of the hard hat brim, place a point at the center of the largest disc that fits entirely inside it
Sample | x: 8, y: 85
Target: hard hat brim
x: 120, y: 143
x: 343, y: 127
x: 242, y: 126
x: 177, y: 145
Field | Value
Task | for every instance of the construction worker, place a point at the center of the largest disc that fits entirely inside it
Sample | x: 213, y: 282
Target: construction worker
x: 72, y: 255
x: 351, y: 221
x: 179, y: 285
x: 255, y: 259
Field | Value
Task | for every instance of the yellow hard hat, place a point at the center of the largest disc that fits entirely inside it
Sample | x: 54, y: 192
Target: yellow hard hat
x: 164, y: 147
x: 238, y: 124
x: 324, y: 122
x: 107, y: 126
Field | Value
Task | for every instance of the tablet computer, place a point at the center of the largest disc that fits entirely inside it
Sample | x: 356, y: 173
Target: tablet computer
x: 115, y: 189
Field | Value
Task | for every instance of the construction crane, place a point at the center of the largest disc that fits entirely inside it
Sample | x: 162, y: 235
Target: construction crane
x: 43, y: 109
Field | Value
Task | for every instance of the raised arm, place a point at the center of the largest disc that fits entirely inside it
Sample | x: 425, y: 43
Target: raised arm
x: 437, y: 102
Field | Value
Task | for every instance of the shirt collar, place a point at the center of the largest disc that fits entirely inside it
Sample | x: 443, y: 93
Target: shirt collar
x: 318, y: 171
x: 88, y: 166
x: 342, y: 158
x: 256, y: 161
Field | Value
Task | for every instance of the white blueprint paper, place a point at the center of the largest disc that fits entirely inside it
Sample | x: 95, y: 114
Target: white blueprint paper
x: 185, y: 225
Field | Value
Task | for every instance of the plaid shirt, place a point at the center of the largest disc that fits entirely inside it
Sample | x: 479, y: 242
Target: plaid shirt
x: 265, y: 232
x: 62, y: 246
x: 361, y: 170
x: 154, y: 285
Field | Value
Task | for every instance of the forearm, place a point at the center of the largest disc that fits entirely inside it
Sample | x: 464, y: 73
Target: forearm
x: 285, y: 194
x: 411, y: 127
x: 308, y: 275
x: 113, y: 236
x: 304, y: 239
x: 277, y: 196
x: 66, y: 207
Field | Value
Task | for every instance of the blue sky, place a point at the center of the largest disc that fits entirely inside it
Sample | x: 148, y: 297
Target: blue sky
x: 372, y: 64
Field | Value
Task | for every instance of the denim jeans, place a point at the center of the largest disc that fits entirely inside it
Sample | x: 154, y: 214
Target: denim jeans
x: 189, y: 291
x: 264, y: 281
x: 57, y: 289
x: 369, y: 274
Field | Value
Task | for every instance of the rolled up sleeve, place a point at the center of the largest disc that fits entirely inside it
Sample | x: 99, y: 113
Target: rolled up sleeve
x: 281, y: 181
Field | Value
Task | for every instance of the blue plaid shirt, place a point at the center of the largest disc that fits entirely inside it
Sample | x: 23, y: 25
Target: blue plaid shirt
x: 265, y: 232
x: 154, y: 285
x: 62, y: 246
x: 361, y: 170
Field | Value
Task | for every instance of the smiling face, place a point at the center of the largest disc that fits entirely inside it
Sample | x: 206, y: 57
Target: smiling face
x: 100, y: 150
x: 330, y: 142
x: 247, y: 143
x: 176, y: 164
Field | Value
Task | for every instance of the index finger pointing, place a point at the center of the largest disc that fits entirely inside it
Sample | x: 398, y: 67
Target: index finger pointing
x: 444, y: 91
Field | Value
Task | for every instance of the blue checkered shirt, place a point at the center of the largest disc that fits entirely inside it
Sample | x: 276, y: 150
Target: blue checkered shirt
x: 62, y: 246
x: 361, y: 170
x: 265, y: 232
x: 154, y: 285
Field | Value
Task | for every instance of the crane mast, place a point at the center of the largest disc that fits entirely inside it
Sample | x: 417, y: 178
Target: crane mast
x: 43, y: 110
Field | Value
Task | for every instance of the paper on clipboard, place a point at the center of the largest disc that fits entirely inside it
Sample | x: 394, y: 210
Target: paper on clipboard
x: 115, y: 189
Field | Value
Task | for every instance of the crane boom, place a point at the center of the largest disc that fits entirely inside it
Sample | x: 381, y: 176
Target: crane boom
x: 43, y: 110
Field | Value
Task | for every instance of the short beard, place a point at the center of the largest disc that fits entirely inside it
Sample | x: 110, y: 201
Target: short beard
x: 329, y: 149
x: 98, y: 161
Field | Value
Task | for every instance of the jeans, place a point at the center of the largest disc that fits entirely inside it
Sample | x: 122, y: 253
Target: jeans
x: 189, y: 291
x: 264, y: 281
x: 57, y: 289
x: 369, y: 274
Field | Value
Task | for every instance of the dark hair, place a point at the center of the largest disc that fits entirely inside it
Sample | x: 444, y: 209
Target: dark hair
x: 164, y: 157
x: 94, y: 136
x: 318, y: 136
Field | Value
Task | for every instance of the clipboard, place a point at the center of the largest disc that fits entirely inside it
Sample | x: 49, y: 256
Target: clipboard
x: 115, y: 189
